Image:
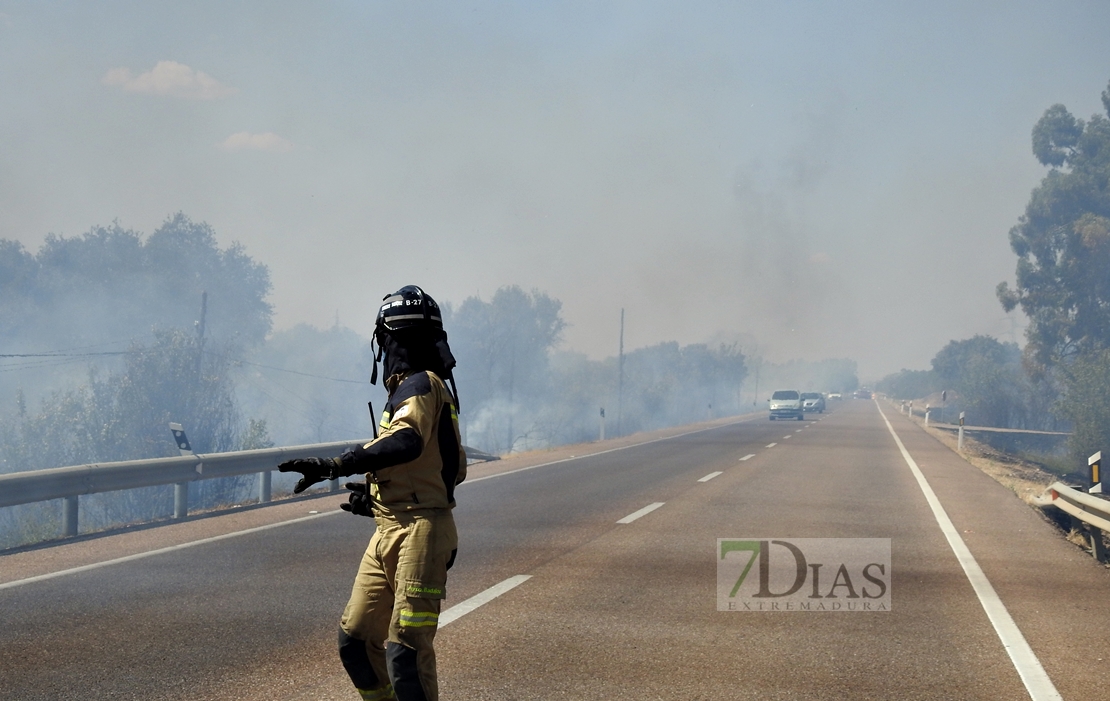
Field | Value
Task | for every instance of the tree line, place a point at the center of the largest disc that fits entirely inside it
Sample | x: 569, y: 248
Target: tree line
x: 109, y: 336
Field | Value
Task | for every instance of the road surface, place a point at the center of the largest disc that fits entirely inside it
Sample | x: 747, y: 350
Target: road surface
x: 601, y: 609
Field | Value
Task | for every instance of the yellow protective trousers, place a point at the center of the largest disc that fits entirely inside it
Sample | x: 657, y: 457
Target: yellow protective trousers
x: 395, y: 602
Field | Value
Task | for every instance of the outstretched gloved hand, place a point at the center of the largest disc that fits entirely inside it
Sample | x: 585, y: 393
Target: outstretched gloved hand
x: 358, y: 503
x: 314, y: 470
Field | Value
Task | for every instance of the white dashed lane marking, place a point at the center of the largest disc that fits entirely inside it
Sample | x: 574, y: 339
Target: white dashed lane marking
x: 710, y: 476
x: 642, y: 512
x: 771, y: 445
x: 464, y: 607
x: 749, y: 456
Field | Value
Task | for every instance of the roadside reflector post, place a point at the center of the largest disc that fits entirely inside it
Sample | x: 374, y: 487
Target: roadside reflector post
x: 181, y: 489
x: 926, y: 414
x: 69, y: 516
x: 1098, y: 548
x: 602, y: 423
x: 960, y: 440
x: 911, y: 409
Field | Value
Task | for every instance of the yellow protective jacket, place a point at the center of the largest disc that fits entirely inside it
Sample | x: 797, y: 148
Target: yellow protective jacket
x: 418, y: 459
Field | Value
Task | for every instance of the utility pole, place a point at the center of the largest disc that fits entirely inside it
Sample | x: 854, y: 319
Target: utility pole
x: 200, y: 328
x: 755, y: 396
x: 512, y: 376
x: 620, y: 377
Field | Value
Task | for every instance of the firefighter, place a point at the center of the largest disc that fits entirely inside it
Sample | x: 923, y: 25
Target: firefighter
x: 412, y: 468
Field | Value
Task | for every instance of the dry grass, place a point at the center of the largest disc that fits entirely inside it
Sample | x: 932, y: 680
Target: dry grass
x: 1026, y: 479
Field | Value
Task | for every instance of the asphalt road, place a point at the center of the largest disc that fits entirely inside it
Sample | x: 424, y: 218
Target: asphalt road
x: 609, y: 610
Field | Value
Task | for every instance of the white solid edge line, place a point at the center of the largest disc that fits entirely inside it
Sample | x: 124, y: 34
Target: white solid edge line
x: 1033, y: 675
x: 464, y: 607
x: 608, y: 450
x: 642, y: 512
x: 749, y: 456
x: 710, y: 476
x: 160, y: 551
x: 771, y: 445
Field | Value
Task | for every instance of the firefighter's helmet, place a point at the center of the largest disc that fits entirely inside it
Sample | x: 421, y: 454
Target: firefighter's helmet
x: 410, y: 337
x: 408, y: 307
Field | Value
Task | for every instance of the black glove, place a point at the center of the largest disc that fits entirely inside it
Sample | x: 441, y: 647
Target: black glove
x: 314, y: 470
x: 358, y: 503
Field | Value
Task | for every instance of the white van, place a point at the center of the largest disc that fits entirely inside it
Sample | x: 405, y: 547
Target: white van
x: 786, y: 404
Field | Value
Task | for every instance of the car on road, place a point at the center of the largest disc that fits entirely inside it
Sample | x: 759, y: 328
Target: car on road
x: 863, y: 394
x: 836, y: 395
x: 786, y: 404
x: 813, y: 401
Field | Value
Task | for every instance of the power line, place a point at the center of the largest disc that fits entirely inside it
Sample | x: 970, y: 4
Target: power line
x: 61, y: 355
x: 293, y: 372
x: 65, y: 358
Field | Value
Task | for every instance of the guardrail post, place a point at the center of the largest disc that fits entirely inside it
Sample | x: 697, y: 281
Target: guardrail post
x: 1098, y: 548
x: 69, y: 516
x: 181, y: 500
x: 264, y: 487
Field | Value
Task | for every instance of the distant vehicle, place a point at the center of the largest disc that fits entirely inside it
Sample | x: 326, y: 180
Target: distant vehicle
x: 835, y: 395
x: 863, y: 394
x: 813, y: 401
x: 786, y: 404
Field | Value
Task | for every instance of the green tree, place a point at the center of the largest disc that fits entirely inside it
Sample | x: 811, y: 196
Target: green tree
x: 100, y: 291
x: 1087, y: 386
x: 503, y: 349
x: 125, y: 416
x: 909, y: 384
x: 951, y: 363
x: 988, y: 379
x: 1063, y: 240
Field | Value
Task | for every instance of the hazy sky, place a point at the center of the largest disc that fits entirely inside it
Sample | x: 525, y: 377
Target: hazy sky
x: 837, y: 179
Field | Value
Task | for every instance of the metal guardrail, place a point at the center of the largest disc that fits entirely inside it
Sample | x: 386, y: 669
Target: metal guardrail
x: 69, y: 483
x: 1092, y: 511
x: 995, y: 429
x: 60, y: 482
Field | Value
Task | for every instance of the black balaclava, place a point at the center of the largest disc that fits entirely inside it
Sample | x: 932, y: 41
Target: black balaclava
x: 416, y: 349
